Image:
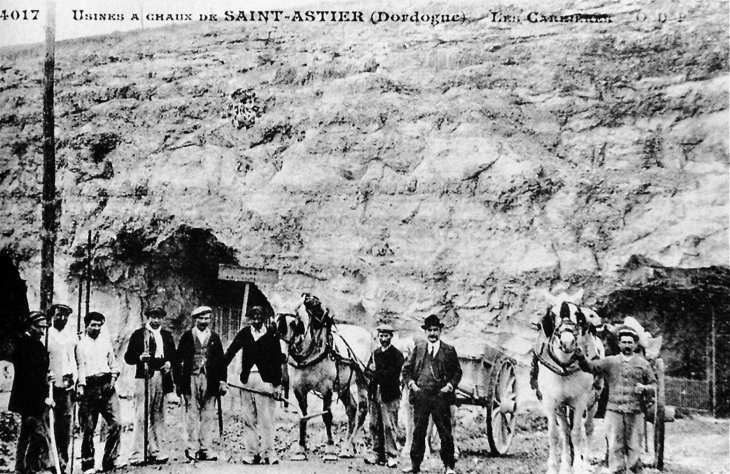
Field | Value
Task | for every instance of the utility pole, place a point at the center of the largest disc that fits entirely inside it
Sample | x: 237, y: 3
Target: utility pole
x: 49, y: 221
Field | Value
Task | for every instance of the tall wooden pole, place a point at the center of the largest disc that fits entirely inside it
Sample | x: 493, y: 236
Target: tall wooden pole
x: 713, y: 373
x: 49, y: 222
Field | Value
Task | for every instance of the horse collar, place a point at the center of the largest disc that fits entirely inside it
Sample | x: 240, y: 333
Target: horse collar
x: 552, y: 363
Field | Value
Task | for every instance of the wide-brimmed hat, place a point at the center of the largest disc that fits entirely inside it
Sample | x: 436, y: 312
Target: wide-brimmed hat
x: 625, y: 330
x: 385, y: 328
x: 201, y: 310
x: 431, y: 321
x: 155, y: 310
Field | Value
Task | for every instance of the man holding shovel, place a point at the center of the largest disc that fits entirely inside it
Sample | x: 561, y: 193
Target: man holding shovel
x: 261, y: 371
x: 200, y: 374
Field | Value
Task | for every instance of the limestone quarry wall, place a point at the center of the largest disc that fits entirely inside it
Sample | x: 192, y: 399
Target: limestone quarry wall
x: 392, y: 170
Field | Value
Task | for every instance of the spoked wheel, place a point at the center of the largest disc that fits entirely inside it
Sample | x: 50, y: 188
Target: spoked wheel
x: 501, y: 406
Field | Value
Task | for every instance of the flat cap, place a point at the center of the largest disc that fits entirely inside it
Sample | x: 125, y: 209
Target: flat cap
x: 625, y: 330
x: 155, y: 310
x: 62, y: 307
x: 201, y: 310
x: 36, y: 318
x: 385, y: 328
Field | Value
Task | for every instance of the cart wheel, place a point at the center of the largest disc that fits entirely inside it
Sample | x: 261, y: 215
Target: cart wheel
x: 659, y: 416
x: 501, y: 406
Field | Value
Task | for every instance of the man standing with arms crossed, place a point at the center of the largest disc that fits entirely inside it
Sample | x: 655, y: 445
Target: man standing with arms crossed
x: 158, y: 354
x: 200, y: 373
x: 261, y: 369
x: 432, y: 372
x: 98, y: 373
x: 61, y: 347
x: 385, y: 365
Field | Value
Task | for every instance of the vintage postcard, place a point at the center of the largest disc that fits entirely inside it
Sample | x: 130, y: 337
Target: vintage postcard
x: 233, y: 199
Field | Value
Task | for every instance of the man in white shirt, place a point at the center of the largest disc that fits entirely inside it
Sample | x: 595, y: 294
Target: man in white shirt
x: 61, y: 346
x: 98, y: 372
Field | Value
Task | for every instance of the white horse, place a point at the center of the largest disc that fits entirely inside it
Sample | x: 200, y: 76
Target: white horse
x: 327, y: 359
x: 569, y: 396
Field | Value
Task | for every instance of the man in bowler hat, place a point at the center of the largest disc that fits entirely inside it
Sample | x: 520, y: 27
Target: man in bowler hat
x: 432, y: 372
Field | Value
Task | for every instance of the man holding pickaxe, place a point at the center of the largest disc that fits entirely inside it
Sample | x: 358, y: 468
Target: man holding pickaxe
x: 200, y: 374
x: 261, y: 374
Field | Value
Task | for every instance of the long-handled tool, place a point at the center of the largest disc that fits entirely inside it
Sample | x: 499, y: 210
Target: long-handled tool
x: 52, y: 433
x: 302, y: 417
x: 146, y: 400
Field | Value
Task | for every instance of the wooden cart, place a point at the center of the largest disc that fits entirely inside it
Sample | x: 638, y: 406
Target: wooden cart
x: 490, y: 381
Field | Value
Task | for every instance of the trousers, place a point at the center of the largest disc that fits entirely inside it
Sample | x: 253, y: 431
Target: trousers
x: 257, y: 412
x: 434, y: 404
x: 624, y: 440
x: 199, y: 414
x: 156, y: 417
x: 383, y: 425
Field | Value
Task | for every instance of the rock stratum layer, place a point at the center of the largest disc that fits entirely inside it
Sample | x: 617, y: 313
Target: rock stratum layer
x: 393, y: 170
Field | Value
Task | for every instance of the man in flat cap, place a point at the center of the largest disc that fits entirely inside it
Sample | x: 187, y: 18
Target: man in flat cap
x: 629, y: 376
x: 29, y: 397
x: 384, y: 368
x: 98, y: 374
x: 200, y: 374
x: 432, y: 372
x: 152, y: 350
x: 61, y: 346
x: 261, y: 370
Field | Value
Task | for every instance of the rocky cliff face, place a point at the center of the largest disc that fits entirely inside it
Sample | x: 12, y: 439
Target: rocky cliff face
x: 392, y: 170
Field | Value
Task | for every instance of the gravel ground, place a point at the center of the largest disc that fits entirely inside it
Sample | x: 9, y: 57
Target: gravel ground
x: 695, y: 445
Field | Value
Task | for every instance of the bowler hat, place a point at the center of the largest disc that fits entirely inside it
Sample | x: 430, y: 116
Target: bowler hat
x: 155, y: 310
x: 200, y: 311
x: 385, y: 328
x: 432, y: 321
x: 625, y: 330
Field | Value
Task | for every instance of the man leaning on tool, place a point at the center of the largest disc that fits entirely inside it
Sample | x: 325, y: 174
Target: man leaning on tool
x: 200, y: 375
x: 384, y: 366
x: 432, y: 372
x: 61, y: 346
x: 159, y: 352
x: 29, y: 397
x: 98, y: 373
x: 629, y: 376
x: 261, y: 370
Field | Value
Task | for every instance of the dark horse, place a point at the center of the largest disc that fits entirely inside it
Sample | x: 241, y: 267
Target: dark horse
x: 327, y: 359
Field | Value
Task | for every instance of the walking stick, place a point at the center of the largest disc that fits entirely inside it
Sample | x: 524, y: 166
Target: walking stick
x: 220, y: 417
x: 146, y: 399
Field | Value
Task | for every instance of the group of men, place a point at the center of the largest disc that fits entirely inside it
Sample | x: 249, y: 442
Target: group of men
x: 85, y: 369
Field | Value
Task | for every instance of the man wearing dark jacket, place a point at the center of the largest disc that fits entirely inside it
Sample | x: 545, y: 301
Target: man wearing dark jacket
x: 154, y: 347
x: 261, y: 369
x: 29, y: 397
x: 384, y: 367
x: 200, y: 374
x: 432, y: 372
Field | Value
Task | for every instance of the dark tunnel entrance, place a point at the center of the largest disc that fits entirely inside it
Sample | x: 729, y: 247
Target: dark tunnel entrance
x: 689, y: 309
x: 178, y: 273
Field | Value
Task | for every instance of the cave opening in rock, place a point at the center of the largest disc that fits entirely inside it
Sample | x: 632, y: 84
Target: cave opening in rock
x: 689, y: 309
x: 179, y: 273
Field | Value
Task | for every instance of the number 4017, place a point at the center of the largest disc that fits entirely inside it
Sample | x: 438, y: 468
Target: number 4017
x: 19, y: 15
